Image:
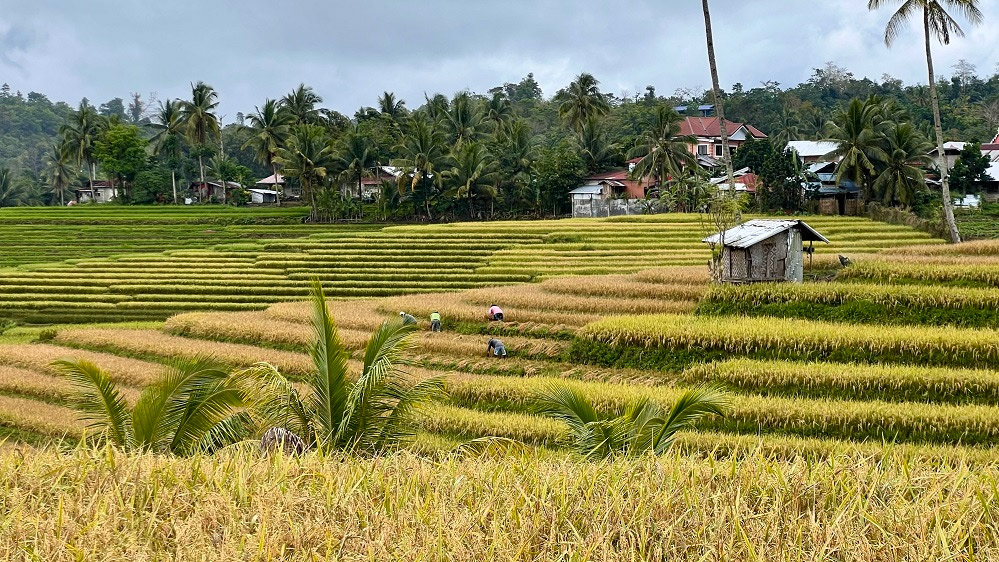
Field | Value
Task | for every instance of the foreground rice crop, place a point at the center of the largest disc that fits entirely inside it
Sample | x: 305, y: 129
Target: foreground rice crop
x: 239, y: 506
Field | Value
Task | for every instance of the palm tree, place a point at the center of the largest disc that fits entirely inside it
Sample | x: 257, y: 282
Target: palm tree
x: 937, y: 22
x: 465, y: 119
x: 901, y: 172
x: 664, y: 151
x: 517, y: 155
x: 169, y: 137
x: 856, y: 131
x: 301, y: 103
x: 639, y: 428
x: 355, y: 154
x: 716, y: 92
x: 594, y: 146
x: 194, y: 407
x: 11, y: 193
x: 422, y: 157
x: 581, y: 100
x: 219, y: 167
x: 368, y: 415
x: 80, y: 135
x: 499, y: 110
x: 199, y: 120
x: 306, y: 157
x: 391, y: 107
x: 60, y: 171
x: 437, y: 107
x: 270, y: 126
x: 473, y: 175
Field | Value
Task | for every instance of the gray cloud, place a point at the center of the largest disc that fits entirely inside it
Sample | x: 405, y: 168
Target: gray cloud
x: 15, y: 42
x: 350, y: 52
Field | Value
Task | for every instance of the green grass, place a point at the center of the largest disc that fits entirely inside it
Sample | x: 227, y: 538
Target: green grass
x: 150, y: 263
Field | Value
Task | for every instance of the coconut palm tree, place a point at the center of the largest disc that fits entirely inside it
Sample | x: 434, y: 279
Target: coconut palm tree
x: 641, y: 427
x: 60, y: 171
x: 465, y: 119
x: 664, y: 151
x: 80, y: 135
x: 194, y: 407
x: 901, y: 175
x: 938, y: 23
x: 355, y: 154
x: 421, y: 157
x: 581, y: 100
x: 473, y: 175
x: 306, y: 157
x: 391, y: 107
x: 517, y: 154
x: 301, y: 104
x: 499, y: 110
x: 856, y: 131
x: 716, y: 93
x: 368, y: 413
x: 270, y: 127
x: 11, y: 193
x: 169, y: 137
x: 201, y: 125
x: 595, y: 148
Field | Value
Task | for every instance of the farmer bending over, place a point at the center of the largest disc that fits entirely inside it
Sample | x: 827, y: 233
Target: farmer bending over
x: 435, y: 321
x: 496, y: 347
x: 407, y: 319
x: 495, y: 313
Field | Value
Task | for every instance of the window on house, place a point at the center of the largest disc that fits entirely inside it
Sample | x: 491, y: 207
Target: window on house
x: 718, y: 150
x: 702, y: 149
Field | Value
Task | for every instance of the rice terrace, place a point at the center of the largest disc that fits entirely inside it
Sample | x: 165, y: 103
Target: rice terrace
x: 555, y: 318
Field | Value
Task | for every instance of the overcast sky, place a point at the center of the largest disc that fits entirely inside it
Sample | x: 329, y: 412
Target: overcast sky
x: 352, y: 51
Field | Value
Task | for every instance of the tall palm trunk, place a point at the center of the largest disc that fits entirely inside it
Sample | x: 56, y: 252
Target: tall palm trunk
x: 277, y: 192
x: 948, y: 204
x: 173, y: 179
x: 719, y: 106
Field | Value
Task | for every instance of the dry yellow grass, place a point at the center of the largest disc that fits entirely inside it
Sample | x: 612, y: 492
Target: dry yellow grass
x: 535, y: 297
x: 39, y: 357
x: 689, y: 275
x: 975, y: 248
x: 45, y: 387
x: 622, y: 286
x: 354, y: 314
x: 257, y: 327
x: 37, y: 417
x: 92, y: 505
x: 158, y: 344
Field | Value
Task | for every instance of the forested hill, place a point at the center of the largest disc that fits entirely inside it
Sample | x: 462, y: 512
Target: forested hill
x: 28, y: 127
x: 969, y: 104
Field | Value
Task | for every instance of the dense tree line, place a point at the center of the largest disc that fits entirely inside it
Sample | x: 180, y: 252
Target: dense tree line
x: 510, y: 151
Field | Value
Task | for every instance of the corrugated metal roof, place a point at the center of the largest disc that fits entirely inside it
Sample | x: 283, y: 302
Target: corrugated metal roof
x: 812, y: 149
x: 587, y: 190
x: 758, y: 230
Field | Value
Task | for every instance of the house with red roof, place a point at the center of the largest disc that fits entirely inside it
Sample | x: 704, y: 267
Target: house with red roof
x: 707, y: 130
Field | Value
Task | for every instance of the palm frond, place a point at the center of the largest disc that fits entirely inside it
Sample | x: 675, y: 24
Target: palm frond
x: 225, y: 431
x: 367, y: 400
x: 692, y: 405
x: 273, y: 401
x: 329, y: 384
x: 397, y: 425
x: 568, y: 405
x: 99, y: 400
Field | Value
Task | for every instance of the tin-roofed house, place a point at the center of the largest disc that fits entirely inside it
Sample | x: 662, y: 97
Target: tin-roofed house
x: 765, y: 250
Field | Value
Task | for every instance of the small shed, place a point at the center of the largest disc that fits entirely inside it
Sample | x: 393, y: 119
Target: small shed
x: 259, y: 196
x: 765, y: 250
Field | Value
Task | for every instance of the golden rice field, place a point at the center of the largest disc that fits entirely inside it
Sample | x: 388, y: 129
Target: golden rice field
x: 851, y: 438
